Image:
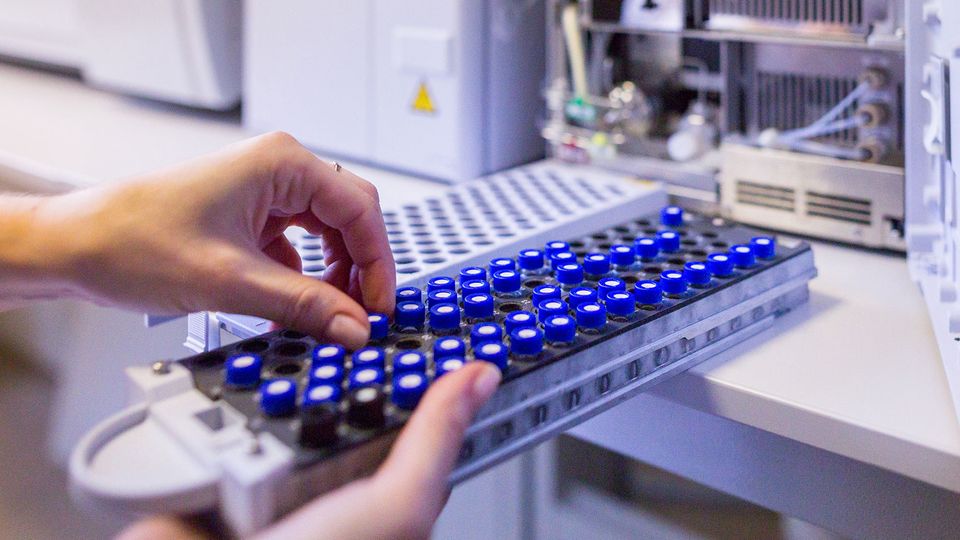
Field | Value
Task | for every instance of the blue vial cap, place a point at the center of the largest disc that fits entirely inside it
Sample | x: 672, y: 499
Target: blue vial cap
x: 569, y: 274
x: 550, y: 307
x: 581, y: 295
x: 743, y: 256
x: 622, y: 255
x: 669, y: 241
x: 448, y: 346
x: 442, y: 296
x: 563, y: 257
x: 328, y: 354
x: 409, y: 361
x: 556, y: 246
x: 502, y: 263
x: 379, y: 326
x: 545, y: 292
x: 608, y: 285
x: 408, y: 388
x: 485, y: 333
x: 673, y: 282
x: 506, y: 281
x: 671, y: 216
x: 474, y: 286
x: 591, y: 315
x: 478, y: 306
x: 243, y: 370
x: 370, y: 376
x: 471, y: 273
x: 368, y: 357
x: 326, y: 374
x: 322, y: 393
x: 278, y: 397
x: 409, y: 294
x: 409, y: 315
x: 720, y: 264
x: 446, y: 366
x: 764, y: 247
x: 519, y: 319
x: 696, y: 273
x: 621, y: 303
x: 560, y: 329
x: 646, y: 248
x: 440, y: 283
x: 526, y: 341
x: 596, y: 264
x: 648, y: 292
x: 445, y: 316
x: 495, y: 353
x: 530, y: 259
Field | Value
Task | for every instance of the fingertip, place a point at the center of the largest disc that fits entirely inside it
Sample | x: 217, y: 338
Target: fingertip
x: 485, y: 383
x: 347, y: 330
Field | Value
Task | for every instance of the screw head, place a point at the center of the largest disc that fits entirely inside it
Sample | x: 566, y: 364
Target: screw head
x: 161, y: 367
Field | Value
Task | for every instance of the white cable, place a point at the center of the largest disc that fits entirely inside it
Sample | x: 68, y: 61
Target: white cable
x: 837, y: 110
x: 811, y: 147
x: 813, y: 131
x: 575, y: 50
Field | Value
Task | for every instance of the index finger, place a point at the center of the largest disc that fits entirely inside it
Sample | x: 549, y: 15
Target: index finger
x: 302, y: 183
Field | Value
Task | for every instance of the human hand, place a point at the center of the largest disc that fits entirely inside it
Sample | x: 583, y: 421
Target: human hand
x: 405, y: 496
x: 208, y: 235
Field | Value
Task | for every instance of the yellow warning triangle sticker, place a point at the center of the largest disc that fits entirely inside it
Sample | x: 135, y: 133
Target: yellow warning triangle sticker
x: 423, y: 102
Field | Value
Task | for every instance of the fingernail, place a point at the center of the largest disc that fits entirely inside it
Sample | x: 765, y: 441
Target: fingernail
x: 349, y: 330
x: 486, y: 383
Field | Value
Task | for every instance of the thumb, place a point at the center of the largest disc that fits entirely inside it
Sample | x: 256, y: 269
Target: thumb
x: 427, y: 449
x: 412, y: 482
x: 270, y: 290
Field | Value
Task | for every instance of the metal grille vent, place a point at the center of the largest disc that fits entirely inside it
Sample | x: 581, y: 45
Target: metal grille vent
x: 839, y: 208
x: 775, y: 197
x: 839, y: 12
x: 790, y: 101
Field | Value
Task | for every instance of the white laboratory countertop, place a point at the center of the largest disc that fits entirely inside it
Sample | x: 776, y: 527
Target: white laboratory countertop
x: 855, y: 372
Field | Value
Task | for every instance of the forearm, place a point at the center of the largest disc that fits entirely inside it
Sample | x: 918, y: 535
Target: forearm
x: 32, y: 260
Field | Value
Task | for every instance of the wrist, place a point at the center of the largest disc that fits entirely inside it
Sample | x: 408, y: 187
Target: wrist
x: 34, y: 260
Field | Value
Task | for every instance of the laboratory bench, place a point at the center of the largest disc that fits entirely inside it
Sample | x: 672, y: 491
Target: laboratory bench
x: 839, y: 414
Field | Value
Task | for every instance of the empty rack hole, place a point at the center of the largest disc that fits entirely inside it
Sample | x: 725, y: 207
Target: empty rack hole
x: 290, y: 368
x: 291, y: 348
x: 510, y: 307
x: 209, y: 359
x: 254, y: 346
x: 292, y: 334
x: 408, y: 344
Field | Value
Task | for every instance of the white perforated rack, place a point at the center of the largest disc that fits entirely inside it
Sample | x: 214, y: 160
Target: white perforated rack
x: 471, y: 223
x: 933, y: 167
